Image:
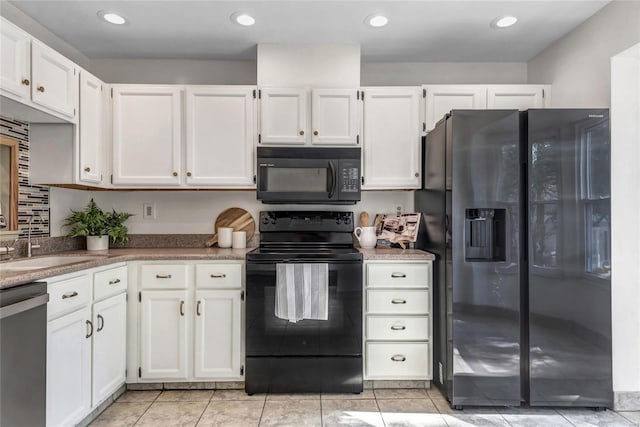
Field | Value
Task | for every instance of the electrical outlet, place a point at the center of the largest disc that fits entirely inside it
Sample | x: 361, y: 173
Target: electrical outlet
x: 148, y: 211
x: 399, y: 210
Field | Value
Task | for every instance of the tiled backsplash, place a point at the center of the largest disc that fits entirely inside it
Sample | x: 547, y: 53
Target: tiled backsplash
x: 32, y: 199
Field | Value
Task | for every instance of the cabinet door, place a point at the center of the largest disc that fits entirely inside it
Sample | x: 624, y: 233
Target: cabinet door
x: 217, y: 334
x: 283, y: 116
x: 521, y: 97
x: 335, y: 117
x: 55, y: 80
x: 91, y: 128
x: 69, y: 368
x: 146, y: 135
x: 392, y: 138
x: 220, y: 136
x: 443, y: 98
x: 15, y: 62
x: 109, y: 346
x: 163, y: 330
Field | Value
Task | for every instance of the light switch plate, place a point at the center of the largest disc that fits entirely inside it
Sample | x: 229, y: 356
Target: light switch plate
x: 148, y: 211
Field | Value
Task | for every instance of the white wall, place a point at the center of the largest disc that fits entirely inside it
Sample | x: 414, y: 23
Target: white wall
x: 625, y: 208
x: 577, y: 66
x: 418, y: 73
x: 194, y: 212
x: 175, y: 71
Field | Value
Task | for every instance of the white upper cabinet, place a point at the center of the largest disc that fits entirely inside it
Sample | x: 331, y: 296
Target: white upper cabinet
x: 220, y: 132
x: 440, y: 99
x: 392, y: 138
x: 335, y: 117
x: 92, y: 120
x: 146, y: 135
x: 521, y: 97
x: 54, y: 80
x: 15, y: 67
x: 283, y: 116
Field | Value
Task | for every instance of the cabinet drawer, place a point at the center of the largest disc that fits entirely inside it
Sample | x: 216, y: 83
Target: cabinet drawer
x: 398, y: 275
x: 397, y: 301
x: 109, y: 282
x: 68, y: 295
x: 398, y: 328
x: 163, y: 276
x: 218, y: 276
x: 398, y: 360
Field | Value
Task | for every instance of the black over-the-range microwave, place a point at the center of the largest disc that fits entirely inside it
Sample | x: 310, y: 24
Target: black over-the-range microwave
x: 308, y: 175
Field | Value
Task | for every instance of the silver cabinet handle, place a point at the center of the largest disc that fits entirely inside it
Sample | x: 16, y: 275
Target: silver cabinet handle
x: 218, y: 276
x: 100, y: 323
x: 198, y: 308
x: 398, y: 328
x: 114, y: 281
x: 70, y: 295
x: 398, y: 358
x: 90, y: 326
x: 398, y: 301
x: 398, y: 275
x: 163, y: 276
x: 181, y: 308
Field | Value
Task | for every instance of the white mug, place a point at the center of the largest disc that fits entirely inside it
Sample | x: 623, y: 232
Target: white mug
x: 225, y: 237
x: 239, y: 239
x: 366, y: 237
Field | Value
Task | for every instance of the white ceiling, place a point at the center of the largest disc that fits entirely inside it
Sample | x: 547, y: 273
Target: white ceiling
x: 435, y: 31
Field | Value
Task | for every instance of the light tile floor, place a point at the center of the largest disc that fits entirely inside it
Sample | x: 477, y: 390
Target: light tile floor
x: 385, y: 408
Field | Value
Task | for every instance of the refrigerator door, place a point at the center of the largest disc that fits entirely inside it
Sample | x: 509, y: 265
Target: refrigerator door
x: 484, y: 294
x: 569, y: 258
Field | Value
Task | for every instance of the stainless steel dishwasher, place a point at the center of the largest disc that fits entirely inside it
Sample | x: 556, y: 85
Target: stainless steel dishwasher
x: 23, y: 355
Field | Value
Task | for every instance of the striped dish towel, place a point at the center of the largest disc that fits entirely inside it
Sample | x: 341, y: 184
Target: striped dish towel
x: 302, y: 291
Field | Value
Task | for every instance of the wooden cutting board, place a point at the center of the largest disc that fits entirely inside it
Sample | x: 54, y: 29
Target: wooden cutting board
x: 236, y: 218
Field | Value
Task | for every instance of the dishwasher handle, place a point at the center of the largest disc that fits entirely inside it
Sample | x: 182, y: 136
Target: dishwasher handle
x: 25, y: 305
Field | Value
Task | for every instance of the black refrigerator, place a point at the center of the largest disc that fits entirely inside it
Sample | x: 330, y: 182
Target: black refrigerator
x: 516, y: 208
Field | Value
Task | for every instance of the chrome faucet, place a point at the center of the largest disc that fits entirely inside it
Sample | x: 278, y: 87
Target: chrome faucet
x: 31, y: 246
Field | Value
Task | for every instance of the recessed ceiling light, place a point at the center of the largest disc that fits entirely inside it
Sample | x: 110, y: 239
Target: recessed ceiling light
x: 504, y: 21
x: 112, y: 18
x: 377, y: 21
x: 243, y: 19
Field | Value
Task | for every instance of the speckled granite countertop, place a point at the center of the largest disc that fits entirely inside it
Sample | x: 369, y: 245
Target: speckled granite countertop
x: 10, y: 278
x: 396, y: 254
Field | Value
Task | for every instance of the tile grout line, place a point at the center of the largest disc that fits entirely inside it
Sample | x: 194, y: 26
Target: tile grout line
x: 562, y: 415
x: 384, y: 423
x: 264, y: 404
x: 148, y: 407
x: 205, y: 408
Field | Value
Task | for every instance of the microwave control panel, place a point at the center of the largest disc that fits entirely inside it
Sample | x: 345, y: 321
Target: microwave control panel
x: 349, y: 179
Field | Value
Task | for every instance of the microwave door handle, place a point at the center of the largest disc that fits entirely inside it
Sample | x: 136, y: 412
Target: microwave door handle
x: 334, y: 179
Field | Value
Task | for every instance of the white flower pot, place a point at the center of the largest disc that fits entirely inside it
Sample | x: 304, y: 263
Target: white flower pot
x: 97, y: 243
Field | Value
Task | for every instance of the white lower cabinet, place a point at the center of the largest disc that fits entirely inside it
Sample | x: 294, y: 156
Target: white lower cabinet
x: 163, y: 335
x: 194, y: 332
x: 217, y: 334
x: 86, y: 341
x: 109, y: 345
x: 69, y: 368
x: 398, y: 323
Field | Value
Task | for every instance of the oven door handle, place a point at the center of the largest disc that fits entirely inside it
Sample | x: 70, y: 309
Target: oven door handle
x: 334, y: 180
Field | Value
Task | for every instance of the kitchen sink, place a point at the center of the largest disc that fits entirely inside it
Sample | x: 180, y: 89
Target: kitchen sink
x: 45, y: 262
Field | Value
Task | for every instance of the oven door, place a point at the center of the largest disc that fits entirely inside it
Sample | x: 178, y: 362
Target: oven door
x: 297, y: 180
x: 340, y: 335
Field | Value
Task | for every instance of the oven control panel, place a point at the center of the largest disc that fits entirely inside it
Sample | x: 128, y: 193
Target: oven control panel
x: 292, y: 221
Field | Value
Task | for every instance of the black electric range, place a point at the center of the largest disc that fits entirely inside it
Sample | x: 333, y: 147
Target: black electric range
x: 308, y: 355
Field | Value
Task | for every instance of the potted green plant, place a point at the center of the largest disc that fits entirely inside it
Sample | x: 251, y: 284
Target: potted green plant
x: 98, y: 226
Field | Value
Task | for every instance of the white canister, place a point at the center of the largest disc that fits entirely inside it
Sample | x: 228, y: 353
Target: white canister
x: 366, y: 237
x: 225, y: 237
x: 239, y: 239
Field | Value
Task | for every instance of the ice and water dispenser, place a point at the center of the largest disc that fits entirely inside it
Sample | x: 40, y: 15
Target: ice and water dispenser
x: 485, y: 235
